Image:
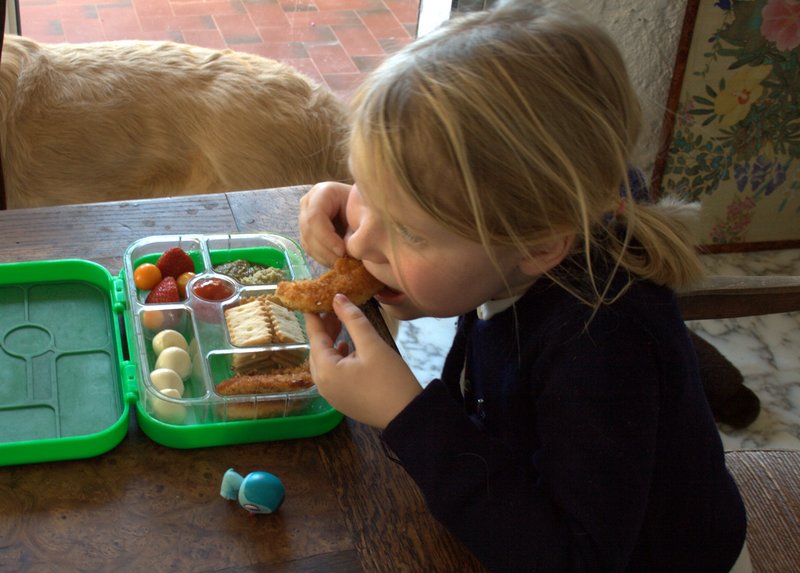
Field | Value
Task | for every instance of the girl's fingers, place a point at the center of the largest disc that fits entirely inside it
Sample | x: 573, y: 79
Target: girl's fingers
x: 357, y: 324
x: 320, y: 211
x: 323, y: 331
x: 372, y: 384
x: 319, y: 337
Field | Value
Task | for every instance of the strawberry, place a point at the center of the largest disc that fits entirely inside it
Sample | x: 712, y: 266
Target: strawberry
x: 165, y: 291
x: 174, y: 262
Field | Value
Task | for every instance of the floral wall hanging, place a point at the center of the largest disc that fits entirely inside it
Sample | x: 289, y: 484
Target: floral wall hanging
x: 732, y: 131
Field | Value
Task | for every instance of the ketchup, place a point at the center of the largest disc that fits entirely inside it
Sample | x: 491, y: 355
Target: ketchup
x: 214, y: 289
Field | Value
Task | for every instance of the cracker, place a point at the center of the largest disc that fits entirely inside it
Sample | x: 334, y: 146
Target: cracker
x: 249, y: 325
x: 285, y: 325
x: 251, y: 361
x: 261, y: 321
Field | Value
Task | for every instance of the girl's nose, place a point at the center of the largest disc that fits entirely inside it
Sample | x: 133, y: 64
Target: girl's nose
x: 364, y: 241
x: 365, y: 236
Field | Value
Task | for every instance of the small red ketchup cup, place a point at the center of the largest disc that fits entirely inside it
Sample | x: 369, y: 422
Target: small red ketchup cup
x: 208, y: 293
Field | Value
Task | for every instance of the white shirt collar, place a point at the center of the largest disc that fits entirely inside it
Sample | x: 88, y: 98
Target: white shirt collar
x: 488, y: 309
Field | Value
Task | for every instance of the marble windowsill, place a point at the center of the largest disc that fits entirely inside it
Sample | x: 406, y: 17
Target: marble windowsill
x: 766, y: 349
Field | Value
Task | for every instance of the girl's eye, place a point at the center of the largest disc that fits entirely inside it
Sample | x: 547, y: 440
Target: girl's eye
x: 407, y: 235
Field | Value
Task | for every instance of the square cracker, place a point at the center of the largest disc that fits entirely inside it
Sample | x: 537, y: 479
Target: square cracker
x: 248, y: 325
x: 285, y: 325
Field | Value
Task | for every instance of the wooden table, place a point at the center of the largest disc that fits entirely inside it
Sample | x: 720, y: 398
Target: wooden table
x: 145, y: 507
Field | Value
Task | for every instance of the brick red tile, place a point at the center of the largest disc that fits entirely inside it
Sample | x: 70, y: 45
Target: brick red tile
x: 40, y: 23
x: 407, y: 12
x: 162, y: 35
x: 37, y: 12
x: 331, y: 59
x: 266, y: 14
x: 179, y: 23
x: 332, y: 41
x: 296, y: 6
x: 213, y: 8
x: 326, y: 18
x: 153, y: 8
x: 75, y: 12
x: 383, y: 24
x: 205, y: 38
x: 332, y: 5
x: 32, y: 15
x: 45, y: 31
x: 309, y: 34
x: 119, y: 23
x: 60, y: 3
x: 357, y: 40
x: 391, y: 45
x: 366, y: 64
x: 83, y: 31
x: 306, y: 67
x: 237, y: 28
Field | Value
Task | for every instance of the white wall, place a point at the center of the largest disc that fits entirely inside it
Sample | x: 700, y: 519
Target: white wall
x: 647, y: 32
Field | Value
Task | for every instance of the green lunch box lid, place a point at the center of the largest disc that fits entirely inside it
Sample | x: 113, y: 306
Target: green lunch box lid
x: 75, y: 356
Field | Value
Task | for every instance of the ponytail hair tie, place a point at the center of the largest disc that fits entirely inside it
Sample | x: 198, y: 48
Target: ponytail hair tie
x: 610, y: 216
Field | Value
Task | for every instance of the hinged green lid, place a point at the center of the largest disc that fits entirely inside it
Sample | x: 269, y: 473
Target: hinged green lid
x: 60, y: 362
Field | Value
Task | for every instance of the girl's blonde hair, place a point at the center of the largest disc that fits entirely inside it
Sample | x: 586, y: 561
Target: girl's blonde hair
x: 514, y: 126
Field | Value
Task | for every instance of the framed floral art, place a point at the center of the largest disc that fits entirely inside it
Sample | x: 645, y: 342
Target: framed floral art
x: 732, y: 130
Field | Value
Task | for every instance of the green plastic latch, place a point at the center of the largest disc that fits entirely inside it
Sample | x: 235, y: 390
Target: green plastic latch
x: 130, y: 384
x: 118, y: 295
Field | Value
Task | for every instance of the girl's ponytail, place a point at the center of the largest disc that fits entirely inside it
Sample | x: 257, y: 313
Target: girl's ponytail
x: 659, y: 242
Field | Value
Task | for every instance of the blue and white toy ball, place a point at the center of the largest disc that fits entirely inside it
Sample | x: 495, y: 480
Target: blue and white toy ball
x: 257, y: 492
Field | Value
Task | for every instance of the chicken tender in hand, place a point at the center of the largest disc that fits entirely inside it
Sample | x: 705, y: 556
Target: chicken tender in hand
x: 348, y: 276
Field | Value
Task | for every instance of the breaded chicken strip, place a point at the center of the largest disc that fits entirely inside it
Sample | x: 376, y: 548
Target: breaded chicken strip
x: 348, y: 277
x: 277, y: 381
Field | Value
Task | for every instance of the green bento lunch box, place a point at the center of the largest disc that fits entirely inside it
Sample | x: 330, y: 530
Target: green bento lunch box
x: 76, y: 354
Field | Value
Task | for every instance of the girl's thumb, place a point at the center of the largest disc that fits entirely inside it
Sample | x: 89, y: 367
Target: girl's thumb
x: 355, y: 321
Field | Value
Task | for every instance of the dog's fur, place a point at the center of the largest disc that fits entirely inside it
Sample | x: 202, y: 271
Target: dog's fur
x: 125, y: 120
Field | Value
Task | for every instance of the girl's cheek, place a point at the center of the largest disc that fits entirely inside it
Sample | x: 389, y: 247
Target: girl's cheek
x: 417, y: 282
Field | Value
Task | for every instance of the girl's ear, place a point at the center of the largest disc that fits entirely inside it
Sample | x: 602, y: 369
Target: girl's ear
x: 545, y: 256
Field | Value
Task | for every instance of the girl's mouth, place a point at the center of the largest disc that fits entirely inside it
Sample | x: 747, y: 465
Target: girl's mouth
x: 388, y: 295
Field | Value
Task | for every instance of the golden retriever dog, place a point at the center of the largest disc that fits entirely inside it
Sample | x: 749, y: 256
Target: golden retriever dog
x: 129, y: 119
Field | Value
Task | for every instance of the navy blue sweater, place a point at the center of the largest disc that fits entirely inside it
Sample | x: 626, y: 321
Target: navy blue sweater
x: 577, y: 447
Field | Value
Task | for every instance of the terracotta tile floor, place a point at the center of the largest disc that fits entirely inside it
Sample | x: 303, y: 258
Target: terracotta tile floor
x: 333, y: 41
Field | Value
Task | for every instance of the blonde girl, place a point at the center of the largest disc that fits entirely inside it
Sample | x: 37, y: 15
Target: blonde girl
x: 569, y: 429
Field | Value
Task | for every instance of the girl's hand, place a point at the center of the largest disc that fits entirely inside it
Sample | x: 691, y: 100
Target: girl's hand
x: 322, y: 221
x: 372, y: 384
